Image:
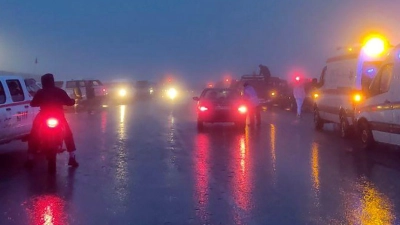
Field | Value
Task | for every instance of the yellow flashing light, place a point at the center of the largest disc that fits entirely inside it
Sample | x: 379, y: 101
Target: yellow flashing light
x: 357, y: 97
x: 374, y: 46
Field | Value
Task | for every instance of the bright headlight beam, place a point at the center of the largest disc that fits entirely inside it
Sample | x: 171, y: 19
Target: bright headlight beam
x: 122, y: 92
x: 172, y: 93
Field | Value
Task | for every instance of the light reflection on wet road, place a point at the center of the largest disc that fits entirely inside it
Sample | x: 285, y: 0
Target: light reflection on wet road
x: 147, y: 164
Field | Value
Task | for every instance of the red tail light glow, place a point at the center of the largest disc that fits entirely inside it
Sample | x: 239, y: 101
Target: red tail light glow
x: 242, y: 109
x: 203, y: 108
x: 52, y: 122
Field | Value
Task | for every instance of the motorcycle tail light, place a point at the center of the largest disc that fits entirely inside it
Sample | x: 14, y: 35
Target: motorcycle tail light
x: 242, y: 109
x: 203, y: 108
x: 52, y: 122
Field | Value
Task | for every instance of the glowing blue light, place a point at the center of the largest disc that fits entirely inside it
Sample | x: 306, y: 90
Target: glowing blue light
x: 370, y: 70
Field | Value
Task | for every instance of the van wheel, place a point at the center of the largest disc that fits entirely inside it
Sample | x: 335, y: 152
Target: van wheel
x: 345, y: 131
x: 367, y: 139
x: 318, y: 123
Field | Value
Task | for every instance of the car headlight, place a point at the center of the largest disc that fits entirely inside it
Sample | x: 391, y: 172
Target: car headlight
x: 122, y: 93
x: 172, y: 93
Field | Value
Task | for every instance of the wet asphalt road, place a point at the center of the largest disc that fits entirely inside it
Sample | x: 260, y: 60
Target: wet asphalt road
x: 147, y: 164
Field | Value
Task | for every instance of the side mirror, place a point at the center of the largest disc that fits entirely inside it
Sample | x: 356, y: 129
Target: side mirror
x: 196, y: 98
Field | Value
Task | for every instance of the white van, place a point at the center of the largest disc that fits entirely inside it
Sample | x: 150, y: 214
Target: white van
x: 343, y: 79
x: 378, y: 115
x: 16, y: 115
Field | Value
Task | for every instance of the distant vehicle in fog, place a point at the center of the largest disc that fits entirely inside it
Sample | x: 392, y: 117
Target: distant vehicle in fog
x: 216, y: 105
x: 76, y: 89
x: 144, y: 89
x: 121, y: 91
x: 271, y: 91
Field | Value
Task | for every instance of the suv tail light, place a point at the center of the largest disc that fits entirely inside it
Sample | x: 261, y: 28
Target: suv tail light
x: 52, y: 122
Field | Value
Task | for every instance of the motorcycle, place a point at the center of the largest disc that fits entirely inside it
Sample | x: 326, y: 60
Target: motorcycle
x: 51, y: 136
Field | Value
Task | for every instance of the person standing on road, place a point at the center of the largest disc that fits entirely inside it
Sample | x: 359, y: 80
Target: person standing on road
x: 264, y: 71
x: 253, y: 103
x: 299, y: 94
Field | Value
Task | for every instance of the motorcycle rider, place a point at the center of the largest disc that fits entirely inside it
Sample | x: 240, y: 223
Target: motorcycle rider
x: 51, y: 99
x: 250, y: 95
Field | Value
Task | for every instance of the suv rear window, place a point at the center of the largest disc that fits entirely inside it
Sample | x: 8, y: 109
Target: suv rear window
x: 219, y: 94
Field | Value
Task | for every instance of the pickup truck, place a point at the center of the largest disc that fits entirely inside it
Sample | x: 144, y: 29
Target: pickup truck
x: 16, y: 115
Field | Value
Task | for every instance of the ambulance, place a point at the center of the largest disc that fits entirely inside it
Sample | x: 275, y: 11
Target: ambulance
x: 378, y: 114
x: 16, y: 114
x: 343, y: 81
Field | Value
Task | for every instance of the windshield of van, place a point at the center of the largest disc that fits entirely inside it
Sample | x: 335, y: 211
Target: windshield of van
x: 369, y: 71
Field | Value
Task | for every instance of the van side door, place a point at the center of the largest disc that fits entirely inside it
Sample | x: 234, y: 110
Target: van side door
x: 5, y: 114
x: 381, y: 104
x: 19, y: 107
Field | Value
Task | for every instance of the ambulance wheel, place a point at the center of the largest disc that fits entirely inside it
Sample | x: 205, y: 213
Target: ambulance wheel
x: 366, y: 136
x: 318, y: 123
x: 345, y: 131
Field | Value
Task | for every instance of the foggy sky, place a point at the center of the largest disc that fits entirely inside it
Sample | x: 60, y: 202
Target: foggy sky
x: 193, y: 39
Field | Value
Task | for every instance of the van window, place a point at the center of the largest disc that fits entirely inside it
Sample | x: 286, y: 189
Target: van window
x: 82, y: 84
x: 32, y: 86
x: 16, y: 91
x: 387, y: 74
x: 2, y: 94
x: 381, y: 83
x: 369, y: 71
x: 71, y: 84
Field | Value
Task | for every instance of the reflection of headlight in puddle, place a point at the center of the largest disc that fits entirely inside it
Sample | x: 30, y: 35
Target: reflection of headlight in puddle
x: 122, y: 92
x: 172, y: 93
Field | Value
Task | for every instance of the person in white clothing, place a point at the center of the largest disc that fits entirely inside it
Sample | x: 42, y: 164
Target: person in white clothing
x: 299, y: 94
x: 251, y: 97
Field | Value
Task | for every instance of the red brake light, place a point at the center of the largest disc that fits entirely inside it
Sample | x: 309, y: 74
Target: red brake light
x: 242, y: 109
x: 52, y: 122
x: 298, y: 78
x: 203, y: 108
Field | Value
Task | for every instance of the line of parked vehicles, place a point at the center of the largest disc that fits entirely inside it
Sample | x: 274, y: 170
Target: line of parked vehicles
x: 358, y: 90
